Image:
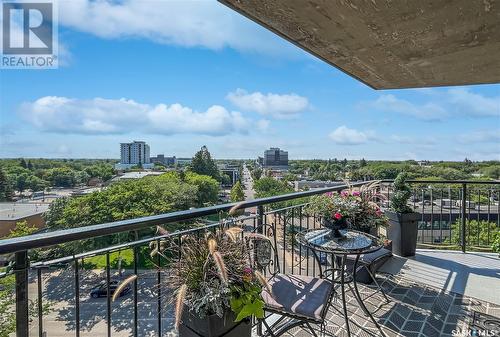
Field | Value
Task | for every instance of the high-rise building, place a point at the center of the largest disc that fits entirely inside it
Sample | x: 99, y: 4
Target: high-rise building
x: 134, y: 154
x: 275, y: 157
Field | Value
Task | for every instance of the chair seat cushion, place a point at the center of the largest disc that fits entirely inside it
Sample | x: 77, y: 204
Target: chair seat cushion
x: 372, y: 257
x: 299, y: 295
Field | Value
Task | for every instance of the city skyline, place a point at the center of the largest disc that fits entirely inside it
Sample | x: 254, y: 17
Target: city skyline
x: 218, y: 79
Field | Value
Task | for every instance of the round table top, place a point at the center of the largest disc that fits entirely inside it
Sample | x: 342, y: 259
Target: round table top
x: 353, y: 242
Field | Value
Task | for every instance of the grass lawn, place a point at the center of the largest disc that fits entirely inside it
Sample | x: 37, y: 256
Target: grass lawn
x: 144, y: 260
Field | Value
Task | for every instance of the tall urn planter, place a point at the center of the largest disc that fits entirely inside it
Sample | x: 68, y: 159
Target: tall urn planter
x: 213, y: 325
x: 402, y: 231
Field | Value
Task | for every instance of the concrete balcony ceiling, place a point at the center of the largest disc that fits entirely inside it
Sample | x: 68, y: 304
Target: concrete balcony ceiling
x: 390, y: 44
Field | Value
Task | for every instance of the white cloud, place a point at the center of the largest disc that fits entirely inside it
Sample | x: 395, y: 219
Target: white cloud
x: 428, y: 111
x: 440, y: 105
x: 276, y: 105
x: 345, y: 136
x: 469, y: 103
x: 109, y: 116
x: 206, y: 24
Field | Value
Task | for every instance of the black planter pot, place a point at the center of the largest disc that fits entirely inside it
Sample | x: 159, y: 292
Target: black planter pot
x: 213, y: 326
x: 335, y: 226
x: 403, y: 232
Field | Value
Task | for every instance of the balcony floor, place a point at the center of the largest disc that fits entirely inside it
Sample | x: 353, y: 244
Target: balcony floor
x: 430, y: 295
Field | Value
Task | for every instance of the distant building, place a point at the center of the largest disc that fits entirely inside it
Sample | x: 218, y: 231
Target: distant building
x: 135, y: 175
x: 274, y: 157
x: 13, y: 212
x: 161, y: 159
x: 314, y: 184
x: 134, y: 154
x: 232, y: 171
x: 184, y: 161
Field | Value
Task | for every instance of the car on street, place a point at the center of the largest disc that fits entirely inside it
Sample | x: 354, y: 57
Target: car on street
x: 101, y: 289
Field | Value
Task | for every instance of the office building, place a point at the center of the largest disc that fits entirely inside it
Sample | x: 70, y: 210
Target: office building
x: 274, y: 157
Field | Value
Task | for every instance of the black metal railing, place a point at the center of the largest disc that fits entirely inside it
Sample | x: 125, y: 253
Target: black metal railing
x: 68, y: 280
x: 454, y: 213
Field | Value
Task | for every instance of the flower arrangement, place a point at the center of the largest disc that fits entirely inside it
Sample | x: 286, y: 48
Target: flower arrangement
x: 333, y: 207
x: 358, y: 207
x: 368, y: 214
x: 211, y: 273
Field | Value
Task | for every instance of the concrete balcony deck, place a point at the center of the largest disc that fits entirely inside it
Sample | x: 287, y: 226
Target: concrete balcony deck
x: 435, y: 293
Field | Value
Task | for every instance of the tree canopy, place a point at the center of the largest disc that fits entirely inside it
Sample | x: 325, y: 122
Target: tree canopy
x: 204, y: 164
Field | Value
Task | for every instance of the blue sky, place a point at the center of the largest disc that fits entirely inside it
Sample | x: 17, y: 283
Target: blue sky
x: 184, y: 74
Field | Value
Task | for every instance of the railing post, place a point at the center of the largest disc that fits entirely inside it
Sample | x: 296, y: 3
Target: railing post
x: 260, y: 219
x: 463, y: 220
x: 21, y: 275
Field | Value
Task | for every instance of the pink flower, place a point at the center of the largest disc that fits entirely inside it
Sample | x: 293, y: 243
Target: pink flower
x: 378, y: 212
x: 329, y: 194
x: 247, y: 270
x: 337, y: 216
x: 344, y: 193
x: 355, y: 193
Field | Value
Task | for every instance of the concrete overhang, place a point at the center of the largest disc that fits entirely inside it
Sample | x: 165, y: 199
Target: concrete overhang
x: 391, y: 44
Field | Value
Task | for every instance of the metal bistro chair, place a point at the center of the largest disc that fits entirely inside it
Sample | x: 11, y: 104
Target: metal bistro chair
x: 296, y: 300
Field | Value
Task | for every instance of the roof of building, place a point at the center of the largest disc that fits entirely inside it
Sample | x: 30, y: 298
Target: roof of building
x: 137, y: 175
x: 391, y: 44
x: 21, y: 210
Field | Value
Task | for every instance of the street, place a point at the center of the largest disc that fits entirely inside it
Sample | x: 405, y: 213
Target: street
x: 58, y: 290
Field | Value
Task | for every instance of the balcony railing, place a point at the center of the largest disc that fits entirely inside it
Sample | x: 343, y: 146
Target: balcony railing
x: 32, y: 278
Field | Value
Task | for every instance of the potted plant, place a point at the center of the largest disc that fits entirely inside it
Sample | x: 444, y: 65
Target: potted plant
x: 402, y: 220
x: 368, y: 217
x: 216, y: 289
x: 334, y: 210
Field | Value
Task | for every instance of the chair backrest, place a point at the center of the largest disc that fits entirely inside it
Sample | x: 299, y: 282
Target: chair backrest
x: 262, y: 247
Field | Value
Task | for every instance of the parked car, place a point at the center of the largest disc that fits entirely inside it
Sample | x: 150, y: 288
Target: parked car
x: 101, y: 289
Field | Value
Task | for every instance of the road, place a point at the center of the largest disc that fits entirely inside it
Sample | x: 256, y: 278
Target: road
x: 248, y: 188
x: 58, y: 290
x: 248, y: 182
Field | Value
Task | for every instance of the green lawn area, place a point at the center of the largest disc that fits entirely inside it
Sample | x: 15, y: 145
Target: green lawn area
x: 99, y: 262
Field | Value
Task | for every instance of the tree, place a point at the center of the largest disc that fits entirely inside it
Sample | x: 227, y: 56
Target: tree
x: 237, y: 193
x: 256, y: 173
x: 208, y: 187
x: 204, y: 164
x: 22, y: 229
x: 126, y: 200
x: 30, y: 165
x: 5, y: 187
x: 362, y: 162
x: 22, y: 163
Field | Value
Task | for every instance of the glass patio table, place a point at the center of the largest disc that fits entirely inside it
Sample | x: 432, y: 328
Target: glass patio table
x: 352, y: 243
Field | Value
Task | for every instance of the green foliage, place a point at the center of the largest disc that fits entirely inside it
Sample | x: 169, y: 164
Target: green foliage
x: 129, y: 199
x: 22, y: 229
x: 5, y: 186
x: 208, y: 187
x: 246, y: 301
x: 256, y: 173
x: 204, y: 164
x: 237, y: 193
x: 401, y: 194
x: 37, y: 174
x: 478, y: 233
x: 495, y: 246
